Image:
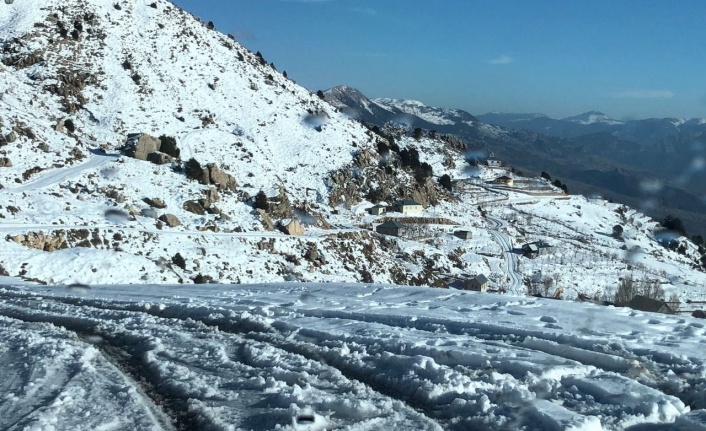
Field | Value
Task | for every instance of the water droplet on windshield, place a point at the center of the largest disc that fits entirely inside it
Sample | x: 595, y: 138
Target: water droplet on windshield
x: 116, y: 216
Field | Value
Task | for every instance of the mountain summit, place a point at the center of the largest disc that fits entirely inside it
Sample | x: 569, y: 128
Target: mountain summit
x: 591, y: 117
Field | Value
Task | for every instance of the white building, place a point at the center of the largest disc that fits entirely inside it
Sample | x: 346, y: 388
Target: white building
x: 409, y: 207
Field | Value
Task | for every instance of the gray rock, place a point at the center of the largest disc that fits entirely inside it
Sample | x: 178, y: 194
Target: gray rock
x: 221, y: 179
x: 292, y: 227
x: 194, y: 207
x: 170, y: 219
x: 210, y: 198
x: 5, y: 162
x: 159, y: 158
x: 155, y: 202
x: 142, y: 145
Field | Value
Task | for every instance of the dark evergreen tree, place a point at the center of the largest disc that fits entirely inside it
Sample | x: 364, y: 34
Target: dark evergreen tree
x: 321, y: 95
x: 546, y: 176
x: 417, y: 133
x: 445, y: 182
x: 261, y: 201
x: 193, y: 169
x: 675, y: 224
x: 261, y: 58
x: 383, y: 149
x: 617, y: 231
x: 414, y: 158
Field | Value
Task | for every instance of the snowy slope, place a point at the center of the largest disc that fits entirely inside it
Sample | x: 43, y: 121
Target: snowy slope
x: 433, y: 115
x: 227, y: 106
x: 314, y: 357
x: 236, y: 111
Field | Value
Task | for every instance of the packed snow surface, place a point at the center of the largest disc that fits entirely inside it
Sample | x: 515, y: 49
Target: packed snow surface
x: 332, y: 356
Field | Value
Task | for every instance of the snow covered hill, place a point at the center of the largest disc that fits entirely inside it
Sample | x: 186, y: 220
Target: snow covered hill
x: 355, y: 357
x: 438, y: 116
x: 107, y: 336
x: 79, y: 76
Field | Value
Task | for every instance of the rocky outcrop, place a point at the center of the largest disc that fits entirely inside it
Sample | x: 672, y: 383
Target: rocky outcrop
x: 194, y: 207
x: 279, y: 206
x: 204, y: 205
x: 40, y: 241
x: 11, y: 137
x: 265, y: 219
x: 210, y: 174
x: 170, y: 219
x: 141, y: 145
x: 221, y: 179
x: 426, y: 193
x: 211, y: 197
x: 291, y: 227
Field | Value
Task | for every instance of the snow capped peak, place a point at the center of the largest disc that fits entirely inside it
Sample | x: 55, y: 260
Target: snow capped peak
x: 591, y: 117
x: 400, y: 103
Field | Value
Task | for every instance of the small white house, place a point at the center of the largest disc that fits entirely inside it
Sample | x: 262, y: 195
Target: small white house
x: 377, y: 210
x: 479, y: 283
x: 494, y: 163
x: 409, y: 207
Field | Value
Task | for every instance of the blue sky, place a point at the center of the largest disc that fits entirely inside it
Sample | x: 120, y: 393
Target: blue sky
x: 629, y: 59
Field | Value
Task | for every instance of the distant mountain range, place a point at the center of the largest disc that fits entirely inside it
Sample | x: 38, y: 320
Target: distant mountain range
x: 654, y: 164
x: 647, y: 131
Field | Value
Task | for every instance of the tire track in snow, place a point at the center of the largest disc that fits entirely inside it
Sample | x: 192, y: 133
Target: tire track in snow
x: 281, y: 327
x: 515, y: 280
x: 301, y: 342
x: 125, y: 356
x: 164, y: 409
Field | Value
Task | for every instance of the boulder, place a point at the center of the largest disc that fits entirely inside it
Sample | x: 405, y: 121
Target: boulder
x: 155, y: 203
x: 142, y: 145
x: 170, y: 219
x: 221, y: 179
x: 291, y: 227
x: 159, y: 158
x: 211, y: 196
x: 11, y: 137
x: 194, y: 207
x: 5, y: 162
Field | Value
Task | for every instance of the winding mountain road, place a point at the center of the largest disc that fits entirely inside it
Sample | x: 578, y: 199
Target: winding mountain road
x: 62, y: 174
x: 514, y: 278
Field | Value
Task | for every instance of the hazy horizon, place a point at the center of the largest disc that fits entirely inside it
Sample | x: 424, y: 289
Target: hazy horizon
x: 558, y: 58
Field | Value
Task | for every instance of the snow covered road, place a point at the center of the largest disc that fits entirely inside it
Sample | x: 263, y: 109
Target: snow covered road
x: 515, y: 284
x: 57, y: 176
x: 313, y: 356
